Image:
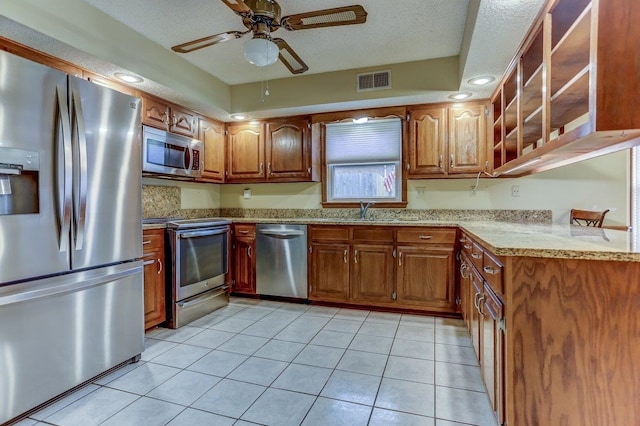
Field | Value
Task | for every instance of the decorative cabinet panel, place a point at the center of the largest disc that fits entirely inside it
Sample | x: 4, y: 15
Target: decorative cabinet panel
x: 154, y: 277
x: 245, y: 152
x: 244, y: 259
x: 212, y: 135
x: 447, y: 141
x: 175, y: 119
x: 288, y: 150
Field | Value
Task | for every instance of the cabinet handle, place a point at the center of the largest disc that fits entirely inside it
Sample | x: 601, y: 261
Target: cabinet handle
x: 491, y: 271
x: 309, y: 171
x: 249, y: 251
x: 451, y: 160
x: 475, y: 255
x: 462, y: 240
x: 425, y: 237
x: 408, y: 166
x: 243, y: 231
x: 269, y: 169
x: 344, y: 256
x: 468, y: 247
x: 355, y: 256
x: 175, y: 120
x: 261, y: 168
x: 440, y: 162
x: 159, y: 266
x: 400, y: 259
x: 463, y: 269
x: 480, y: 300
x: 165, y: 118
x: 146, y: 242
x: 475, y: 300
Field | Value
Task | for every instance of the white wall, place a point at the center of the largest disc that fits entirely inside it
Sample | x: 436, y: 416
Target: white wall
x: 600, y: 183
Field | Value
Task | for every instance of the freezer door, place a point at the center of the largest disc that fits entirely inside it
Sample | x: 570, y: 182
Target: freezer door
x: 107, y: 218
x: 60, y: 332
x: 33, y: 212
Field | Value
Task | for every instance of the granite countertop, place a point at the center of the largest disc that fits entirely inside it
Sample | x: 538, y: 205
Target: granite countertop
x: 506, y: 239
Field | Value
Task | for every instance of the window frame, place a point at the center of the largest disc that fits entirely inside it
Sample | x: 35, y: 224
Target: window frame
x: 320, y: 122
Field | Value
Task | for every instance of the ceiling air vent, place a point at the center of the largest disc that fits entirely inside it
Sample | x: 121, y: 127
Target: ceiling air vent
x: 377, y: 80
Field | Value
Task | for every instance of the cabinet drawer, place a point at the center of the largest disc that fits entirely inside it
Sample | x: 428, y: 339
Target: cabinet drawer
x: 492, y: 272
x: 477, y: 255
x: 152, y: 240
x: 427, y: 236
x: 245, y: 230
x: 467, y: 244
x: 373, y: 234
x: 330, y: 233
x: 492, y: 305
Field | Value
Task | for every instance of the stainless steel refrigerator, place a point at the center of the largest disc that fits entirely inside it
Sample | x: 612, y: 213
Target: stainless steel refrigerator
x: 71, y: 284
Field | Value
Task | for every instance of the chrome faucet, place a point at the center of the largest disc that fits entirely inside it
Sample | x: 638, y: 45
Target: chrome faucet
x: 364, y: 207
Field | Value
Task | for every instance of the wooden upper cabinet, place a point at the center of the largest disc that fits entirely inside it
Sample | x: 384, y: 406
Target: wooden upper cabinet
x: 212, y: 135
x: 183, y: 122
x: 160, y: 114
x: 467, y: 139
x: 427, y: 149
x: 245, y: 152
x: 155, y: 113
x: 446, y: 140
x: 288, y: 150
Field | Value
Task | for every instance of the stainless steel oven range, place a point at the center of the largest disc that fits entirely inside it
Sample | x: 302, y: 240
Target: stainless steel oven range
x: 199, y: 252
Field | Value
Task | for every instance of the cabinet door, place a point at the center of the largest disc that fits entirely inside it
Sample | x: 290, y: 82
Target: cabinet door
x: 425, y: 278
x: 329, y: 272
x: 183, y: 122
x: 492, y: 342
x: 245, y: 153
x: 154, y: 278
x: 465, y: 290
x: 476, y: 318
x: 212, y: 136
x: 372, y: 273
x: 467, y: 139
x: 155, y: 113
x: 427, y: 142
x: 288, y: 150
x: 244, y: 265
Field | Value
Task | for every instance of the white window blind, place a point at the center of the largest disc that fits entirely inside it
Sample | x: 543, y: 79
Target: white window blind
x: 363, y: 161
x: 370, y: 142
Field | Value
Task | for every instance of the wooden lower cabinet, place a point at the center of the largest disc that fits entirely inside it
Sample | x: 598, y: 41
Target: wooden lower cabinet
x: 154, y: 277
x: 361, y: 265
x: 372, y: 273
x: 244, y: 259
x: 425, y: 277
x: 329, y: 272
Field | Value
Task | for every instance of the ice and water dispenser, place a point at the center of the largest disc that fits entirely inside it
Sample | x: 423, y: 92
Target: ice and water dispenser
x: 19, y: 171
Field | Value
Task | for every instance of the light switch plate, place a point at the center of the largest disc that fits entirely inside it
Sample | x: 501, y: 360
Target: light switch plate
x: 247, y: 194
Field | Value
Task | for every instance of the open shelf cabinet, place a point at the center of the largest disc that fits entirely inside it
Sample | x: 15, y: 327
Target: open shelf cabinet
x: 571, y: 92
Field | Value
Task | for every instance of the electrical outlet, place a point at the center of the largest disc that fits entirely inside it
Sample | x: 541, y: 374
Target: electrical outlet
x: 515, y: 190
x: 247, y: 194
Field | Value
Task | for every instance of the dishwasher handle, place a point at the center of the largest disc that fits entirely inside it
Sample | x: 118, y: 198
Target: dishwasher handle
x: 281, y: 233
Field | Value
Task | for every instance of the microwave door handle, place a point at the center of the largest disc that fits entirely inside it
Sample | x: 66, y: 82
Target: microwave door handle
x: 188, y: 163
x: 81, y: 201
x: 64, y: 187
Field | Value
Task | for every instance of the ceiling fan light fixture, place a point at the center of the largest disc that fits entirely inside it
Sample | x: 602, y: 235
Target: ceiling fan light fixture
x: 261, y: 51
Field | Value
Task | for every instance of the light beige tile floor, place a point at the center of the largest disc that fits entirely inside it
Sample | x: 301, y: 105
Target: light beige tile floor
x: 272, y: 363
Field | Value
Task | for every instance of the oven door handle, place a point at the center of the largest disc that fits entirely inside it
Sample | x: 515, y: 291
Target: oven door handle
x: 203, y: 233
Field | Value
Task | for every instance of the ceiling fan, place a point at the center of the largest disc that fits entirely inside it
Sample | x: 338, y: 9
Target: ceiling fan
x: 262, y: 17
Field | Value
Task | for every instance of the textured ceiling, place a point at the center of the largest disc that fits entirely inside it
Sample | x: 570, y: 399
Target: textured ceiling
x: 483, y: 33
x: 395, y: 31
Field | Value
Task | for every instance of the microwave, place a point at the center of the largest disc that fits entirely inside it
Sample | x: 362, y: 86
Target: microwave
x: 170, y: 154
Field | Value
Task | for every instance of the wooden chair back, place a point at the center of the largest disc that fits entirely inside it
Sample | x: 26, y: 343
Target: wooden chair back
x: 588, y: 217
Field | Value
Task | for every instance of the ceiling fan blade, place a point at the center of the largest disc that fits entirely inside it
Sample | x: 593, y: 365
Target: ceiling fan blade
x: 238, y: 6
x: 347, y: 15
x: 190, y: 46
x: 290, y: 58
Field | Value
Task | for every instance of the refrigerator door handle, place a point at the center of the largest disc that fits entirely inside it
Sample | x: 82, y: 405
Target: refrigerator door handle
x: 64, y: 196
x: 81, y: 200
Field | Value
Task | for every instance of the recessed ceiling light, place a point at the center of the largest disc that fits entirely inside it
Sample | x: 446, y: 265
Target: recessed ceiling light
x: 460, y: 96
x: 128, y: 78
x: 360, y: 120
x: 238, y: 116
x: 479, y: 81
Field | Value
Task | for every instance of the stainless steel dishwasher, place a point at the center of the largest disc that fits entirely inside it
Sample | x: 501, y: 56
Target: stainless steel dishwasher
x: 281, y: 260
